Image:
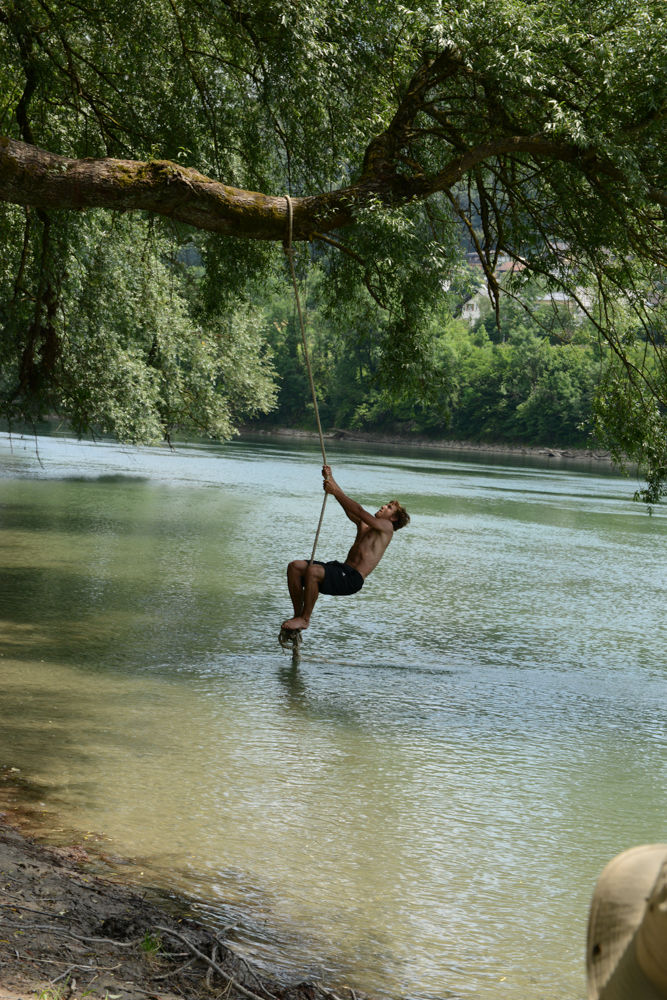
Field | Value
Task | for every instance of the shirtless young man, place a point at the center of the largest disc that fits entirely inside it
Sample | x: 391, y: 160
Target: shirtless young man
x: 374, y: 532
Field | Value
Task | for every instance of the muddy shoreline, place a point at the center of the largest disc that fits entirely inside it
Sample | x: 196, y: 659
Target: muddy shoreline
x: 68, y: 931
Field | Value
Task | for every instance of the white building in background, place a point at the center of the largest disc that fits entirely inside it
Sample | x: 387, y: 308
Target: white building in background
x: 474, y: 307
x: 471, y: 310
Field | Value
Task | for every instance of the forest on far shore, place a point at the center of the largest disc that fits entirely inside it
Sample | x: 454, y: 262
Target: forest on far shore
x: 527, y: 375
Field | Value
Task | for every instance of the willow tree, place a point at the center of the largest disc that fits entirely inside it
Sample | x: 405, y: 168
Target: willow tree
x: 536, y: 127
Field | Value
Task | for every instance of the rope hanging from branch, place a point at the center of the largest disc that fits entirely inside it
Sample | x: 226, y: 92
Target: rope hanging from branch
x: 289, y: 253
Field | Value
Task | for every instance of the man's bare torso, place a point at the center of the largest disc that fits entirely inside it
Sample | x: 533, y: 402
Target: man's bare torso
x: 368, y: 548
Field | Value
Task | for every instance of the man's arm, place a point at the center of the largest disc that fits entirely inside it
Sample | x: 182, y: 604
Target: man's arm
x: 354, y: 510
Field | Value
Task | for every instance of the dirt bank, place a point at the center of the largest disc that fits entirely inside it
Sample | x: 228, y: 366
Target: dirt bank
x: 68, y: 933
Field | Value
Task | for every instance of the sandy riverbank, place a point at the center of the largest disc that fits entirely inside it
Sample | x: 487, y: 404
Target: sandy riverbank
x: 68, y: 932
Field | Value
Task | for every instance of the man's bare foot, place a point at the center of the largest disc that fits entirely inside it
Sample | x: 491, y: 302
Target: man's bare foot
x: 295, y: 624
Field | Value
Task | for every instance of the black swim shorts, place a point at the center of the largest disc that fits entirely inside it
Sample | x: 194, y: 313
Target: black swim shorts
x: 340, y: 579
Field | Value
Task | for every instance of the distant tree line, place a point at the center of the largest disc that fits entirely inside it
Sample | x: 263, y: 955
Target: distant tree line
x: 527, y: 376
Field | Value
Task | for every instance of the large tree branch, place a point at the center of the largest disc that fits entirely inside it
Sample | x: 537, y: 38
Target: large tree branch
x: 33, y: 176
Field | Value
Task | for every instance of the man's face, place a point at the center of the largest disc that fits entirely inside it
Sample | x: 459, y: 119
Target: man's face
x: 388, y: 510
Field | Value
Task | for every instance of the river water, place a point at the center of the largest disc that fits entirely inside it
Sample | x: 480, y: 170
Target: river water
x: 421, y: 808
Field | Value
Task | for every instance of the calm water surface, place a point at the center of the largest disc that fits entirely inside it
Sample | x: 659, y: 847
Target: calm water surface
x: 422, y: 808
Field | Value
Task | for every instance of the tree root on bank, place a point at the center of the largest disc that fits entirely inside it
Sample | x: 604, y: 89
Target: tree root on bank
x: 214, y: 967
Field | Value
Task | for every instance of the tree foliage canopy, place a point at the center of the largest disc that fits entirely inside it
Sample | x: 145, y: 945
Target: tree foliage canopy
x: 535, y: 127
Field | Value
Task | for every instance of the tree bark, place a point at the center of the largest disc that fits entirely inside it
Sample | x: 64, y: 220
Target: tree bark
x: 33, y: 176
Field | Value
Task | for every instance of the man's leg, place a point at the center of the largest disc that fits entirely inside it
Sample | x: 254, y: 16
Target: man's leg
x: 296, y: 584
x: 311, y: 575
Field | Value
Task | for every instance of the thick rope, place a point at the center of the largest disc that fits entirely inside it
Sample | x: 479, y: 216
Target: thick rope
x: 289, y: 253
